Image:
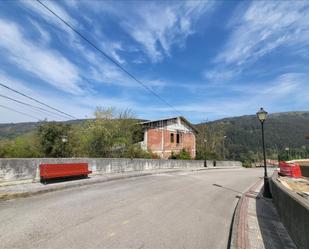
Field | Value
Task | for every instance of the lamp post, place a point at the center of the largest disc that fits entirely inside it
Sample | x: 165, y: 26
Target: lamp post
x: 64, y: 140
x: 262, y: 115
x: 287, y: 149
x: 205, y: 159
x: 223, y: 148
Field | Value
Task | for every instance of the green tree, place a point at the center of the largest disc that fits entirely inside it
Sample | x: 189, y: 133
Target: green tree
x: 51, y: 135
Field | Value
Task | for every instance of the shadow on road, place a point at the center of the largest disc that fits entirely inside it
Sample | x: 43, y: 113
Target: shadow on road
x: 230, y: 189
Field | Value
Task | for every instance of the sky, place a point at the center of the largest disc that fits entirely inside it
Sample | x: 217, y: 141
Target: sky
x: 206, y: 59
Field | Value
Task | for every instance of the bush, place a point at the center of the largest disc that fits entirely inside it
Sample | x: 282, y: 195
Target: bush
x: 183, y: 155
x: 247, y: 164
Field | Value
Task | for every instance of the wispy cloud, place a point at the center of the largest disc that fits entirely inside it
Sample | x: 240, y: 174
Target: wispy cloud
x: 263, y: 27
x: 47, y: 64
x: 49, y: 17
x: 44, y: 35
x: 79, y: 106
x: 157, y: 26
x: 288, y: 90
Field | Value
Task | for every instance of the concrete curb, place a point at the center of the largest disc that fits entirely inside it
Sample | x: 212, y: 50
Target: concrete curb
x: 105, y: 178
x: 238, y: 234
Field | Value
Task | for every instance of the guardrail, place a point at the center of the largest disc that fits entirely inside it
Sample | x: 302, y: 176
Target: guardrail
x: 293, y: 211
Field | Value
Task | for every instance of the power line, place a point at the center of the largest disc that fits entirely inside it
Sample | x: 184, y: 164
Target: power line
x: 108, y: 57
x: 23, y: 113
x: 33, y: 106
x: 40, y: 102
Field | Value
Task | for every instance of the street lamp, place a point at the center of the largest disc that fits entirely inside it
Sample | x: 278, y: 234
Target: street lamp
x: 287, y: 149
x: 223, y: 148
x: 64, y: 140
x: 205, y: 159
x: 262, y: 115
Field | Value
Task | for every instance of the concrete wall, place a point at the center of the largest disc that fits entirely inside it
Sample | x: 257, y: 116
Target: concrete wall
x: 28, y: 169
x: 293, y: 211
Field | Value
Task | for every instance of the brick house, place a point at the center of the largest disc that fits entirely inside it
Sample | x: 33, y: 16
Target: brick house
x: 167, y: 136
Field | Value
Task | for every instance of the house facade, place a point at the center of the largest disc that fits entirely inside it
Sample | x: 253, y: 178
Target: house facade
x: 167, y: 136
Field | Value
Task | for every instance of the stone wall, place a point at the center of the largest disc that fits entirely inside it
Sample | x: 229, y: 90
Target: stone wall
x: 28, y: 168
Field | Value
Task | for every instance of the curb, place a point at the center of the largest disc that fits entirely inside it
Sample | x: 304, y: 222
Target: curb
x: 9, y: 196
x: 238, y: 238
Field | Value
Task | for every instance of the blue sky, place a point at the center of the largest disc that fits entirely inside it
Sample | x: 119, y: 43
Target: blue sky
x: 208, y: 59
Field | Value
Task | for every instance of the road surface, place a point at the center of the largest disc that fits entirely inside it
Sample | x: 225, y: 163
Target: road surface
x: 171, y: 210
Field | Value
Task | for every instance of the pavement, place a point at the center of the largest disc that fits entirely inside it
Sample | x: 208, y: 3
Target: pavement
x: 187, y: 209
x: 257, y: 224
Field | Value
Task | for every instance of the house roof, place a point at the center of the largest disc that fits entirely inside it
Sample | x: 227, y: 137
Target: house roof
x: 172, y: 118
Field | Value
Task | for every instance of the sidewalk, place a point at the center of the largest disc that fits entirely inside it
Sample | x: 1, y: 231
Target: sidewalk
x: 28, y: 189
x: 256, y: 223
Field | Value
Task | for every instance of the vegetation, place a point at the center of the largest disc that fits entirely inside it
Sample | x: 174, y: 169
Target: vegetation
x: 182, y: 155
x: 108, y: 135
x: 243, y: 137
x: 113, y: 134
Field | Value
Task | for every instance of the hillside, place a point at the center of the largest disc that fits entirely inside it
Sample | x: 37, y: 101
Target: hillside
x: 243, y: 134
x: 11, y: 131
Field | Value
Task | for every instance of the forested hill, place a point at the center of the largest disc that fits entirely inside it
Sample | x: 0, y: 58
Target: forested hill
x: 13, y: 130
x: 243, y: 134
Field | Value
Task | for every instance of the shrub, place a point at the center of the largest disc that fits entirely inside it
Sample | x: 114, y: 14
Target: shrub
x: 182, y: 155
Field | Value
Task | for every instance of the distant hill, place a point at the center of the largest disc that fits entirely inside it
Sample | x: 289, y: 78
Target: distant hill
x: 243, y: 134
x: 13, y: 130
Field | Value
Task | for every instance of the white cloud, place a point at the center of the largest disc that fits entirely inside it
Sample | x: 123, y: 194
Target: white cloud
x: 156, y: 26
x: 220, y: 74
x: 78, y: 106
x: 48, y: 65
x: 283, y: 93
x: 45, y: 37
x: 112, y: 48
x: 48, y: 16
x: 264, y: 27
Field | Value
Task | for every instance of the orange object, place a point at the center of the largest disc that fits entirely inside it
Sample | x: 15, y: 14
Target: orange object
x: 49, y: 171
x: 290, y: 169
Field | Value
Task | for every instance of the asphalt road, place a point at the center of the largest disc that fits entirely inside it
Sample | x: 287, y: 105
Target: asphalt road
x: 173, y: 210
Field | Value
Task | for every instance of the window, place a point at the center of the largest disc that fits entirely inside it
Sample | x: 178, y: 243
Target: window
x: 178, y: 138
x: 172, y: 137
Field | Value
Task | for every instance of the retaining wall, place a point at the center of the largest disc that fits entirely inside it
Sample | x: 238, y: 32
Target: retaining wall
x: 293, y: 211
x: 28, y: 168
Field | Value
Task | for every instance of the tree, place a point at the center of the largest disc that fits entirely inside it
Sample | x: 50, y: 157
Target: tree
x: 114, y: 134
x: 51, y: 136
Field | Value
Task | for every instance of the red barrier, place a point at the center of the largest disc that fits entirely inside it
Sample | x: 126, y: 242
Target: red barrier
x: 49, y: 171
x: 290, y: 169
